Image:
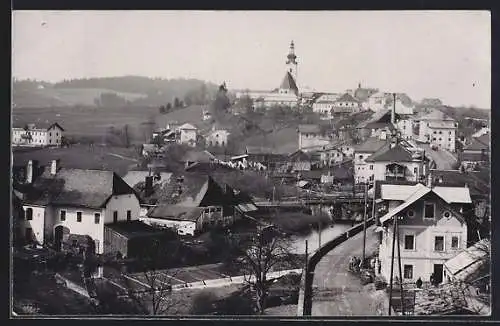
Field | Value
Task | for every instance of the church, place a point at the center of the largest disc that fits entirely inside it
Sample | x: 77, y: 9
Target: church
x: 287, y: 94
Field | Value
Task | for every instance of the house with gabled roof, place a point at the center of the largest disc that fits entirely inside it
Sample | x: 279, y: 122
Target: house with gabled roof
x: 477, y: 151
x: 438, y: 129
x: 64, y: 205
x: 346, y: 104
x: 37, y: 135
x: 362, y: 170
x: 430, y: 230
x: 194, y: 203
x: 188, y: 134
x: 394, y: 161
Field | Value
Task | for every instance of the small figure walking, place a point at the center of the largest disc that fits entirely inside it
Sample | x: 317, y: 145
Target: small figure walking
x: 419, y: 283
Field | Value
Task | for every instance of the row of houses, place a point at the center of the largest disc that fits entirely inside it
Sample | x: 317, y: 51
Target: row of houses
x: 62, y: 206
x: 37, y: 135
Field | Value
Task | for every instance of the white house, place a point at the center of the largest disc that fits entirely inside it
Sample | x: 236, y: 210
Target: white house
x: 430, y: 229
x: 37, y: 135
x: 363, y: 171
x: 64, y: 202
x: 438, y: 129
x: 217, y: 137
x: 325, y: 102
x: 394, y: 161
x: 188, y: 134
x: 311, y: 136
x: 346, y: 104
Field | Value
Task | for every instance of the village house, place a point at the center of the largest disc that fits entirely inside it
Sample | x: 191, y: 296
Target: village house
x: 324, y: 103
x: 331, y: 155
x: 193, y: 204
x: 37, y: 135
x: 299, y: 161
x: 217, y: 137
x: 149, y: 186
x: 430, y: 230
x: 312, y: 137
x: 345, y: 104
x: 477, y: 151
x: 381, y: 123
x: 394, y: 161
x: 188, y: 134
x: 362, y: 170
x: 438, y: 129
x: 66, y: 205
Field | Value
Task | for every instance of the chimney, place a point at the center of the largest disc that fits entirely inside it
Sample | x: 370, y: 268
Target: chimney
x: 429, y: 180
x: 29, y: 172
x: 148, y: 188
x: 393, y: 111
x: 54, y: 166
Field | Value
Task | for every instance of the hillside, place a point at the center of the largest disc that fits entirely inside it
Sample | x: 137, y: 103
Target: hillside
x: 117, y: 91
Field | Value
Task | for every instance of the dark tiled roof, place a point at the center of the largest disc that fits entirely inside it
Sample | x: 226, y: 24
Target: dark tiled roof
x: 39, y: 125
x: 134, y: 229
x: 371, y: 145
x: 387, y: 154
x: 309, y: 129
x: 478, y: 185
x: 473, y: 157
x: 485, y: 139
x: 76, y: 187
x: 193, y: 188
x: 174, y: 212
x: 289, y: 83
x: 476, y: 145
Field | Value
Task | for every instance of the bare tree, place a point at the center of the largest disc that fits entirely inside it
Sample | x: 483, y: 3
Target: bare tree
x: 153, y: 294
x: 256, y: 256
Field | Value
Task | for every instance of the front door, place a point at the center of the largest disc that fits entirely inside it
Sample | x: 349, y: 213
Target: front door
x: 438, y: 272
x: 28, y: 233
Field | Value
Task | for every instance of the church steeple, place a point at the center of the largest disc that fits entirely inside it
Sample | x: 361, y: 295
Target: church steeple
x: 291, y: 62
x: 291, y: 54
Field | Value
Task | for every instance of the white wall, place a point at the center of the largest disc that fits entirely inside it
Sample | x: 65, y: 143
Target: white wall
x: 37, y: 223
x: 217, y: 138
x: 38, y: 137
x: 186, y: 227
x: 406, y: 128
x: 362, y: 170
x: 122, y: 203
x: 188, y: 137
x: 410, y: 175
x: 54, y: 135
x: 443, y: 138
x: 86, y: 227
x: 423, y: 257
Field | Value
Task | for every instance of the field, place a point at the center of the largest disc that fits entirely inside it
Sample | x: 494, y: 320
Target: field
x: 91, y: 122
x: 117, y: 159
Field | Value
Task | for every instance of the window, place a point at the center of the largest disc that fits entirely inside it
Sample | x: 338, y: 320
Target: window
x: 410, y: 213
x: 439, y: 243
x: 449, y: 132
x: 129, y: 215
x: 433, y: 138
x: 62, y: 216
x: 78, y: 216
x: 434, y: 132
x: 97, y: 218
x: 115, y: 216
x: 454, y: 242
x: 371, y: 166
x: 440, y: 132
x: 408, y: 272
x: 409, y: 242
x: 360, y: 157
x: 415, y: 170
x: 446, y: 214
x: 440, y: 138
x: 449, y: 139
x: 29, y: 214
x: 429, y: 210
x: 57, y: 134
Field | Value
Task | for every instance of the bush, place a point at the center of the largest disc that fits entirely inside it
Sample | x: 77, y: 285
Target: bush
x: 203, y: 303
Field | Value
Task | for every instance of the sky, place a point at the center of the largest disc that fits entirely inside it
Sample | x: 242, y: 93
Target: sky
x: 443, y: 54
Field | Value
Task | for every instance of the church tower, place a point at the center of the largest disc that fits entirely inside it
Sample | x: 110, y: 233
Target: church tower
x: 291, y: 63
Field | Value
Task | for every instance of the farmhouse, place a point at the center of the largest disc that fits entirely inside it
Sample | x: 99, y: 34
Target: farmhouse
x: 39, y: 135
x: 430, y: 228
x: 63, y: 203
x: 192, y: 204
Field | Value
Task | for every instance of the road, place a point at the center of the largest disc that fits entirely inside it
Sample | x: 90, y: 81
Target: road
x: 337, y: 292
x: 444, y: 159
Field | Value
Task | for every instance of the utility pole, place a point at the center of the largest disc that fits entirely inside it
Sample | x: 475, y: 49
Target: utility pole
x: 364, y: 226
x: 400, y: 274
x: 392, y: 263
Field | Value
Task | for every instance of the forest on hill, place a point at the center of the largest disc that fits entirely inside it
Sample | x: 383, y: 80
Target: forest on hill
x: 112, y: 91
